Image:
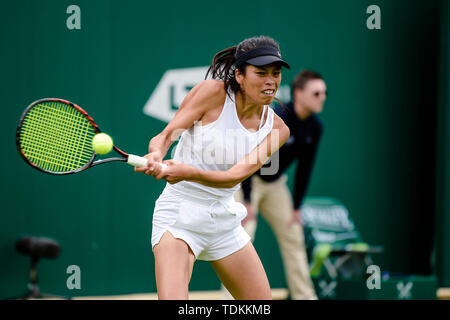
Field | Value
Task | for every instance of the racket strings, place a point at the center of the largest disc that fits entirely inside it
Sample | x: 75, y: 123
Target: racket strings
x: 56, y: 152
x: 57, y: 137
x: 46, y: 153
x: 61, y: 144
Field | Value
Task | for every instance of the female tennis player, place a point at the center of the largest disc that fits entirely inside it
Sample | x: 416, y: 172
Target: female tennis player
x: 228, y: 131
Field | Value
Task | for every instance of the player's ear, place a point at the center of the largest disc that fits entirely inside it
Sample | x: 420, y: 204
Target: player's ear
x: 238, y: 75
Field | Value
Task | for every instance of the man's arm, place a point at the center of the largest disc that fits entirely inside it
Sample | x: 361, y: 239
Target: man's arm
x: 246, y: 186
x: 304, y: 169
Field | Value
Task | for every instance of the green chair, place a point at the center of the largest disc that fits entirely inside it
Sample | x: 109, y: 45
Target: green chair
x: 334, y: 246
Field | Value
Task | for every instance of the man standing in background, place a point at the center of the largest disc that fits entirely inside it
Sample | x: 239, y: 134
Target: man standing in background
x: 270, y: 195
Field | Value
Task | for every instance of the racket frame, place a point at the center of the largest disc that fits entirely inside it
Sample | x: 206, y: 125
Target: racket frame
x: 91, y: 162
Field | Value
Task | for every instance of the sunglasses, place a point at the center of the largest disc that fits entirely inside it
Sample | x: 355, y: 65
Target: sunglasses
x: 318, y: 93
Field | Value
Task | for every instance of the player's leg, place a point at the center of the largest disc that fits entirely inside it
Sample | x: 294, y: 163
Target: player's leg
x: 174, y: 261
x: 243, y: 274
x: 277, y: 208
x: 250, y: 223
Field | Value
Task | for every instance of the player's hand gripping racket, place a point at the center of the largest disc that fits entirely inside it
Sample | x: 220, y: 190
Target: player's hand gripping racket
x: 55, y: 136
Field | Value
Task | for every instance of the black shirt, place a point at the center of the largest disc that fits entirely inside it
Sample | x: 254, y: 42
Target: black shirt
x: 301, y: 145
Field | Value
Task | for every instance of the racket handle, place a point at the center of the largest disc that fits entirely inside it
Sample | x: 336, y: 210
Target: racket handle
x: 137, y: 161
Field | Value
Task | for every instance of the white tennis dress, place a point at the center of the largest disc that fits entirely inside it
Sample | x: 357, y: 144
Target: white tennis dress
x: 209, y: 219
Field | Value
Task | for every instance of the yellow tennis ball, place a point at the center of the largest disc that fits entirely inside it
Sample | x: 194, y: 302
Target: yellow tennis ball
x: 102, y: 143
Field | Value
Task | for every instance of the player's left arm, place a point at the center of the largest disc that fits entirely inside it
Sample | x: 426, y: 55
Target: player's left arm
x: 240, y: 171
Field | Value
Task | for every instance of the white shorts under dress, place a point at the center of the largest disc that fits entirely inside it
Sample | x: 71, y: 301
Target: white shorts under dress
x: 210, y: 226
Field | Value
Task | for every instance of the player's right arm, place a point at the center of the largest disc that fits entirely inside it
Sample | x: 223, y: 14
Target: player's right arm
x: 205, y: 96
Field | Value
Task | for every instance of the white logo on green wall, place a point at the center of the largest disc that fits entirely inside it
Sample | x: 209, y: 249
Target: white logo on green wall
x: 327, y: 289
x: 171, y: 90
x: 404, y: 290
x: 175, y: 85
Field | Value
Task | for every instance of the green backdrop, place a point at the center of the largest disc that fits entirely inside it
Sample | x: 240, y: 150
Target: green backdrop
x: 378, y: 154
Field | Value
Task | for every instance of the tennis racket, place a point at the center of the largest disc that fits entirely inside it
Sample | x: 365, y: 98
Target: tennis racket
x: 55, y: 136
